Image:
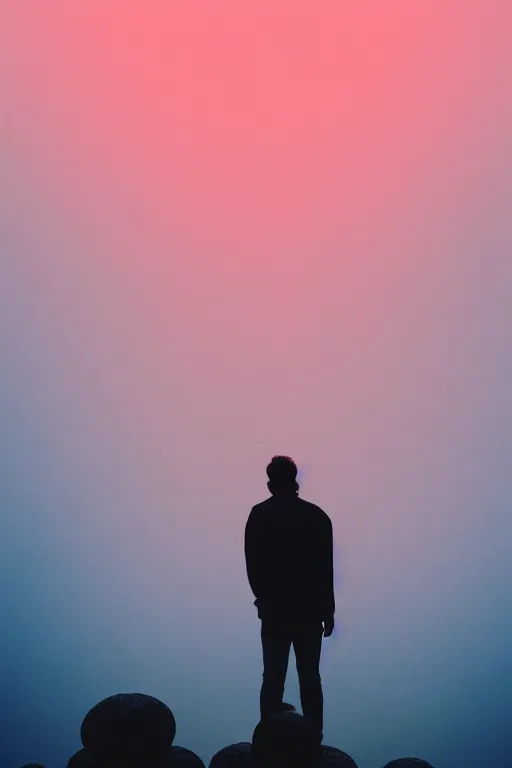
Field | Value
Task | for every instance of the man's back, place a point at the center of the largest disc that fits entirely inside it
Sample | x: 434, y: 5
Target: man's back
x: 288, y: 548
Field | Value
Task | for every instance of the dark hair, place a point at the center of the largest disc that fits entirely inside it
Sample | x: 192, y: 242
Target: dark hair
x: 282, y: 472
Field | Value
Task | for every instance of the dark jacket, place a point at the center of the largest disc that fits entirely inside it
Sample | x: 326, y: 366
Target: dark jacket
x: 289, y: 558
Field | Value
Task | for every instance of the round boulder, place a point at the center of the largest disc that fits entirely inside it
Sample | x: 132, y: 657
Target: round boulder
x: 129, y: 728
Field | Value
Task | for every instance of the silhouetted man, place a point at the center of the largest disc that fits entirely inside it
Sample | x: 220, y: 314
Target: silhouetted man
x: 289, y: 558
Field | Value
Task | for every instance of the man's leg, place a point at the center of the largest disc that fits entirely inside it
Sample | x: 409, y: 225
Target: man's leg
x: 276, y: 642
x: 307, y: 644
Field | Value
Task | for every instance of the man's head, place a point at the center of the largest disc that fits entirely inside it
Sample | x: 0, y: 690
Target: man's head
x: 286, y: 739
x: 282, y: 475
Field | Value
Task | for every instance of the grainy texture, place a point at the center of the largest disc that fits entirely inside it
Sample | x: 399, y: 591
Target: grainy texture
x: 240, y: 755
x: 129, y: 728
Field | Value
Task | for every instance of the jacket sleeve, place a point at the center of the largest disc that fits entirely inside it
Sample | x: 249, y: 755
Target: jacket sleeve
x: 253, y: 555
x: 328, y: 570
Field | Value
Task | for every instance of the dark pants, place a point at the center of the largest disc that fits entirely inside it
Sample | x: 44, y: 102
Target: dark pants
x: 277, y: 637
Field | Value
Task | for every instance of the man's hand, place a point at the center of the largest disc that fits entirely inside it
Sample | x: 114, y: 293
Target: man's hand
x: 328, y: 626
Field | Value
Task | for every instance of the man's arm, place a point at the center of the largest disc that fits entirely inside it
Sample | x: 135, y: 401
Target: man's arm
x: 253, y: 555
x: 328, y: 571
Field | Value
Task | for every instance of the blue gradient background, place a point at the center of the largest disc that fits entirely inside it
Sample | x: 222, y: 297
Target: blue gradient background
x: 230, y: 230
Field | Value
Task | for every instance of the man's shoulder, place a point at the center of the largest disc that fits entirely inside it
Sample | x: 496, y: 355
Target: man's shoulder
x: 257, y: 511
x: 319, y: 516
x: 314, y: 509
x: 311, y: 506
x: 260, y: 506
x: 305, y: 506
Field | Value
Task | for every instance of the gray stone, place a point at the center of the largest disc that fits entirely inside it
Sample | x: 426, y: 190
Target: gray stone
x: 130, y: 728
x: 408, y: 762
x: 240, y: 755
